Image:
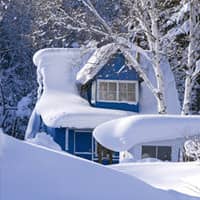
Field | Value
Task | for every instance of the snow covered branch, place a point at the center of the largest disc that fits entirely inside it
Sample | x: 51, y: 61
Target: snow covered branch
x: 192, y: 71
x: 90, y: 6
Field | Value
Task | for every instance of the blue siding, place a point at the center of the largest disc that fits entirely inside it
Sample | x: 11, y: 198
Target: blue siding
x: 115, y: 69
x: 60, y: 137
x: 117, y: 106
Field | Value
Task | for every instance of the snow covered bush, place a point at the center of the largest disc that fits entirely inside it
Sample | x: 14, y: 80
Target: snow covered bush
x: 192, y: 148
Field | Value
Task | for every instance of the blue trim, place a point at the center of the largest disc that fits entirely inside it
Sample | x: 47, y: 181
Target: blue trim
x: 60, y: 137
x: 117, y: 106
x: 71, y: 141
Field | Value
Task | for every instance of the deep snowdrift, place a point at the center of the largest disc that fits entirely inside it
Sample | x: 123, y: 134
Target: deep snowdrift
x: 124, y: 133
x: 30, y: 172
x: 177, y: 177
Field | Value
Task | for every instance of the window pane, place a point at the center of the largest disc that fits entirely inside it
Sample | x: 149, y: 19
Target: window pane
x: 164, y: 153
x: 127, y: 92
x: 107, y: 91
x: 131, y: 87
x: 112, y: 91
x: 122, y: 92
x: 131, y: 97
x: 112, y: 86
x: 148, y: 152
x: 122, y: 87
x: 83, y: 142
x: 103, y: 86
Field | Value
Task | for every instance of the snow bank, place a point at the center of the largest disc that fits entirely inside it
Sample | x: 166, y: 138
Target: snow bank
x: 44, y: 140
x: 36, y: 173
x: 60, y: 104
x: 178, y: 178
x: 122, y: 134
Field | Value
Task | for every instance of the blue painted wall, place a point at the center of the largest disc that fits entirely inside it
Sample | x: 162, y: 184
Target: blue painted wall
x: 115, y: 69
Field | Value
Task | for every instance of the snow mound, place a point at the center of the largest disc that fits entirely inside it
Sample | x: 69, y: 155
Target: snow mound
x: 124, y: 133
x: 174, y: 177
x: 32, y: 172
x: 45, y: 140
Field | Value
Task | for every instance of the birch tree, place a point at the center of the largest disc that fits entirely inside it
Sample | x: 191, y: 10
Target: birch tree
x: 193, y: 58
x: 183, y: 44
x: 146, y: 14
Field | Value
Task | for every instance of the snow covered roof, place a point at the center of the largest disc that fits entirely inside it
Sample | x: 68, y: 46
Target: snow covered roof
x: 60, y: 104
x: 100, y: 57
x: 124, y: 133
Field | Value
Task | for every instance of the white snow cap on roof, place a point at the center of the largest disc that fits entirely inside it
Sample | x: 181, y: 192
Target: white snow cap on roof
x: 60, y: 104
x: 124, y: 133
x: 96, y: 62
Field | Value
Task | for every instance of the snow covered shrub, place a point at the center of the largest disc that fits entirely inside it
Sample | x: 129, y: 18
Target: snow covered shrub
x: 192, y: 148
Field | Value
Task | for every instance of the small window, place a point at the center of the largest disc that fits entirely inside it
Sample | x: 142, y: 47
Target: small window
x: 148, y: 152
x: 108, y: 91
x: 159, y: 152
x: 127, y: 92
x: 164, y: 153
x: 120, y: 91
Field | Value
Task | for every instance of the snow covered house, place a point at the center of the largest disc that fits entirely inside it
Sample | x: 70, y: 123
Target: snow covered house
x: 78, y: 91
x: 140, y: 137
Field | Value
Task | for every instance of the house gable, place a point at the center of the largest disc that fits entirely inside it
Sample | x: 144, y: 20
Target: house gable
x: 115, y: 71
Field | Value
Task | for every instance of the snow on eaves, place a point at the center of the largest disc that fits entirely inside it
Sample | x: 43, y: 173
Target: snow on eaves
x: 60, y: 104
x: 124, y: 133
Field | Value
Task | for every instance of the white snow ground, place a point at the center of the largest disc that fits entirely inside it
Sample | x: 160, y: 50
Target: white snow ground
x: 29, y: 171
x: 176, y: 177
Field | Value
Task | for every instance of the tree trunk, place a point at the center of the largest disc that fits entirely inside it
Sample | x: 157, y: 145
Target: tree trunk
x: 189, y: 82
x: 155, y: 42
x: 187, y: 95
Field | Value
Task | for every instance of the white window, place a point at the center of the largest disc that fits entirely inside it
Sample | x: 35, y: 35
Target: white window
x: 118, y: 91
